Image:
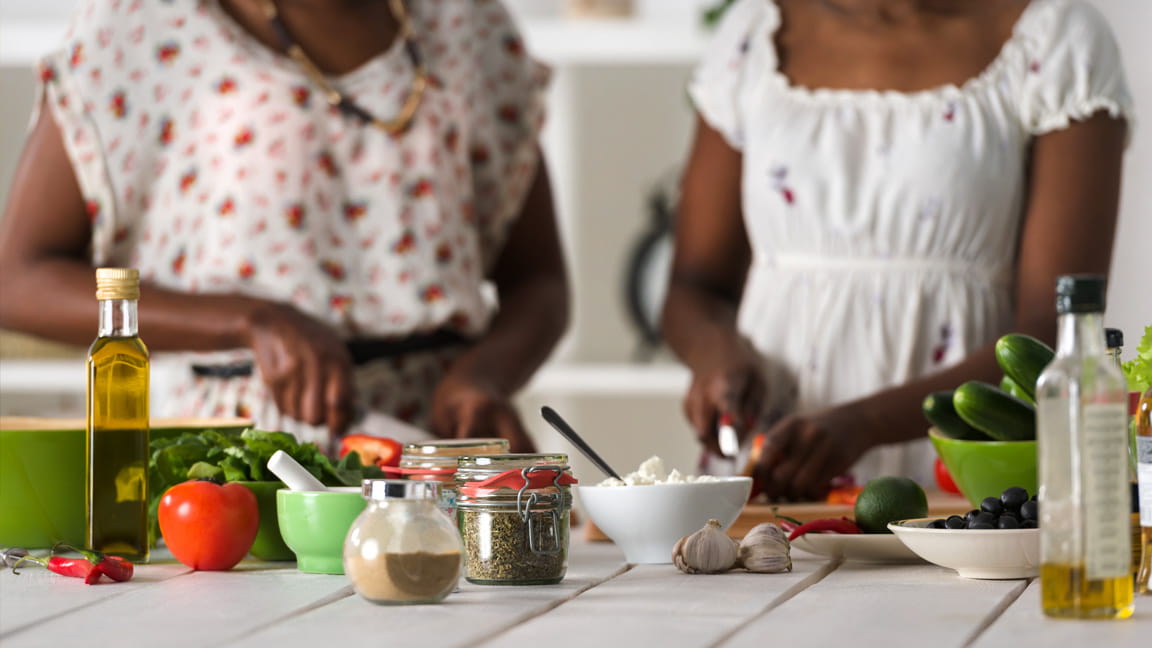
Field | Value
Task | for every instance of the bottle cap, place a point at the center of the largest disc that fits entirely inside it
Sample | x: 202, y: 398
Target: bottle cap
x: 117, y: 283
x: 1080, y: 294
x: 1114, y: 337
x: 382, y: 489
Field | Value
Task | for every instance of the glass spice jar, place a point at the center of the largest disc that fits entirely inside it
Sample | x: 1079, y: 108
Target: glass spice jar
x: 512, y: 511
x: 436, y: 461
x: 401, y: 549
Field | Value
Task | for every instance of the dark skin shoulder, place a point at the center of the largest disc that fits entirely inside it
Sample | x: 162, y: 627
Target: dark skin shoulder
x: 1068, y: 223
x: 45, y: 236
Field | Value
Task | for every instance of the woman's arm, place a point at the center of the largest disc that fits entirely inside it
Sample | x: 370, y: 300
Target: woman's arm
x: 1069, y: 222
x: 532, y: 285
x: 48, y: 289
x: 708, y: 272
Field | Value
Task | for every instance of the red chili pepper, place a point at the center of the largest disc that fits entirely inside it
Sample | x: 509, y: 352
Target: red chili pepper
x: 835, y: 525
x: 113, y: 567
x: 116, y: 568
x: 74, y: 567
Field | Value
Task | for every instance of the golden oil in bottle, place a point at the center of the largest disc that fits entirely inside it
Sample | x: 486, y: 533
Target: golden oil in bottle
x: 1066, y: 591
x: 1144, y: 474
x: 117, y: 440
x: 1082, y: 457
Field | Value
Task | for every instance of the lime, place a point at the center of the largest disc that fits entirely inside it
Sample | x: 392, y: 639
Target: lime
x: 886, y: 499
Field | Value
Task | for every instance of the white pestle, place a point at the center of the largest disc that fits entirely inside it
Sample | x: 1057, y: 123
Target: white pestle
x: 295, y: 476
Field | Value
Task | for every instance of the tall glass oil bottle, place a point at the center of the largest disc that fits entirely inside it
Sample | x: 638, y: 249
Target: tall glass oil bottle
x: 1082, y: 435
x: 117, y: 443
x: 1144, y: 472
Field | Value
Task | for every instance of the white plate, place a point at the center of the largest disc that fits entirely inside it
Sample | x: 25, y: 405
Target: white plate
x: 988, y: 553
x: 862, y: 547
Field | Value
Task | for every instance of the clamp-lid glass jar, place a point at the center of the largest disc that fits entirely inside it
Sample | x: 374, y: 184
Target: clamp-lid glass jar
x: 402, y: 549
x: 513, y: 513
x: 437, y: 460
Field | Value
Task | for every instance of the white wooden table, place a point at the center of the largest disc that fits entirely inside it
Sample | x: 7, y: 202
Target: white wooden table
x: 602, y: 603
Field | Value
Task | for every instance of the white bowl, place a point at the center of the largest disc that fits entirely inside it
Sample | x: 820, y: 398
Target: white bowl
x: 647, y: 521
x: 974, y: 553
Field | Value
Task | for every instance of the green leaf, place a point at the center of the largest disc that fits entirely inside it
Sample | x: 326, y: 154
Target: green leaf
x: 203, y: 470
x: 1139, y: 369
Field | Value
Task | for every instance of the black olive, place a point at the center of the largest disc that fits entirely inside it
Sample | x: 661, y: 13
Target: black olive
x: 936, y: 524
x: 981, y: 525
x: 1028, y: 524
x: 971, y: 514
x: 1030, y: 510
x: 1014, y: 497
x: 955, y: 522
x: 992, y: 505
x: 983, y: 518
x: 1006, y: 522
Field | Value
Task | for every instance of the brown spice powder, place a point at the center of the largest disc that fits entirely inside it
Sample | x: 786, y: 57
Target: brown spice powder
x: 405, y: 577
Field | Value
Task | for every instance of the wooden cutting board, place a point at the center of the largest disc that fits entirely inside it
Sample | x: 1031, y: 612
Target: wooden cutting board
x: 939, y: 505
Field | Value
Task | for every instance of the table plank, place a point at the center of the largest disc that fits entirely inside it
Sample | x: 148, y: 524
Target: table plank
x: 877, y: 604
x: 185, y: 610
x: 36, y: 595
x: 658, y: 605
x: 465, y: 618
x: 1023, y: 624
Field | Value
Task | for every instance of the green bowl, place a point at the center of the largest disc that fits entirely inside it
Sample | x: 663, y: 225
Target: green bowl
x: 986, y: 468
x: 269, y: 544
x: 42, y: 475
x: 315, y: 523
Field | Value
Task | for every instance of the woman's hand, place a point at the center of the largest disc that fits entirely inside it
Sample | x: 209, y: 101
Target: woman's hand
x: 802, y: 454
x: 468, y: 407
x: 305, y: 365
x: 731, y: 382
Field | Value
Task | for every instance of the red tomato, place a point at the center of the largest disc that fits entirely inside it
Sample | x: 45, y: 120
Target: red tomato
x: 381, y: 451
x: 208, y: 526
x: 943, y: 479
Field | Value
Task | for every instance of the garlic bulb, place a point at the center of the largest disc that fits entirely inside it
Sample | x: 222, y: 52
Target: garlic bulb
x: 765, y: 549
x: 707, y: 551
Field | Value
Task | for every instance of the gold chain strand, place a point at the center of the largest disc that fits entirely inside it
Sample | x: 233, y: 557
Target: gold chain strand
x: 334, y: 97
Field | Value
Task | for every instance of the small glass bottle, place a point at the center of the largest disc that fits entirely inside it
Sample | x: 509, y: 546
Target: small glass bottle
x: 512, y: 510
x: 116, y: 489
x: 401, y: 549
x: 1144, y: 475
x: 1081, y: 431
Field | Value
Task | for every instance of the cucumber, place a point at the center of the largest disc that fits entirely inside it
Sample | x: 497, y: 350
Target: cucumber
x: 994, y: 412
x: 1010, y: 386
x: 939, y: 411
x: 1022, y: 358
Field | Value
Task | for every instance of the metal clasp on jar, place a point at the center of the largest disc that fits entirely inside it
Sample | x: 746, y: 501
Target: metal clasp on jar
x: 524, y: 508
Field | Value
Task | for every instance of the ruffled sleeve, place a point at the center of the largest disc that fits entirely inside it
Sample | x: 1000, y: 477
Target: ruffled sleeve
x: 509, y: 112
x: 1075, y: 71
x: 717, y: 83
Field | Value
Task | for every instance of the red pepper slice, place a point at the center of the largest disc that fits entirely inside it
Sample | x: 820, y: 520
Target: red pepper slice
x: 835, y: 525
x: 381, y: 451
x: 116, y: 568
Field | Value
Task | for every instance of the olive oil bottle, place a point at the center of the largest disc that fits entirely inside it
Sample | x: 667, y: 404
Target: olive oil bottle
x: 1082, y: 444
x: 117, y: 443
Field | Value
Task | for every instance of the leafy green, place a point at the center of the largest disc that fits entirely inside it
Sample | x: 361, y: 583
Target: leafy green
x: 1139, y: 369
x: 222, y: 457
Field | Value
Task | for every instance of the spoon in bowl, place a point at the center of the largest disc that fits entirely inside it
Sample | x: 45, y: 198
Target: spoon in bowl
x: 567, y: 432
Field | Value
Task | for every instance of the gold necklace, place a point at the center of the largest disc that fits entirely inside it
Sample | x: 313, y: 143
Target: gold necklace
x: 394, y: 126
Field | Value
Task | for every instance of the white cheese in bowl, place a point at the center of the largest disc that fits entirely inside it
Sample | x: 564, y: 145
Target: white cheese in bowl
x: 652, y: 471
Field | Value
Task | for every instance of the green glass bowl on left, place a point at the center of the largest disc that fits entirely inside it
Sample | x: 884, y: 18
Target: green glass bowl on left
x: 42, y: 475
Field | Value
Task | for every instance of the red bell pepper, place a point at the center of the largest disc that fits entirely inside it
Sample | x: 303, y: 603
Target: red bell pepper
x: 381, y: 451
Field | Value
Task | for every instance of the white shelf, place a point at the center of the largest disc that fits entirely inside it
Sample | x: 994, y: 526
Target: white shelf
x: 592, y: 379
x: 614, y: 42
x: 553, y: 41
